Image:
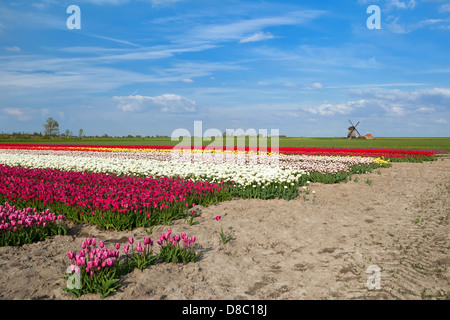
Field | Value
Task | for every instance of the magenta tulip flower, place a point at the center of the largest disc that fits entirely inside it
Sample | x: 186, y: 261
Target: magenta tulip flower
x: 71, y: 254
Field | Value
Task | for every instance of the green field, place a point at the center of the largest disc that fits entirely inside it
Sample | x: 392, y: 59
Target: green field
x: 394, y: 143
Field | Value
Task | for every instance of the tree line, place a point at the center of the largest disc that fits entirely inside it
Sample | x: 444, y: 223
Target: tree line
x: 51, y: 130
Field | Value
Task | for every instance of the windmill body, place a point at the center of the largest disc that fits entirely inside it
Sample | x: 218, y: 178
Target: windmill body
x: 352, y: 131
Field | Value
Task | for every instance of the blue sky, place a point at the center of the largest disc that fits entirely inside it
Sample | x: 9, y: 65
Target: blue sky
x: 148, y: 67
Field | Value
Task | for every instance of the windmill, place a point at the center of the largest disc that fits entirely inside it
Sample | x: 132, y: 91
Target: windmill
x: 351, y: 131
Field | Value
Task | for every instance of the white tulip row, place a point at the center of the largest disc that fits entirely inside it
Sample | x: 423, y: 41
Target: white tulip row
x: 309, y: 163
x: 241, y: 174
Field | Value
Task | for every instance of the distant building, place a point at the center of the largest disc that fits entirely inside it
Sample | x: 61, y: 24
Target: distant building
x: 276, y: 135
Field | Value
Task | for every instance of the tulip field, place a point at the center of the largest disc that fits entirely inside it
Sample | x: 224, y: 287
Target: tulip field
x: 120, y: 187
x: 124, y: 187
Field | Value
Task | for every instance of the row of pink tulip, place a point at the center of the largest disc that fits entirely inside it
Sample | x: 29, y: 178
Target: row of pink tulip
x: 98, y: 268
x: 111, y: 201
x: 19, y: 226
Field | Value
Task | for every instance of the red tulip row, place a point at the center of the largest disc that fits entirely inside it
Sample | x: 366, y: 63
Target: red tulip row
x: 111, y: 201
x: 393, y: 154
x: 78, y: 147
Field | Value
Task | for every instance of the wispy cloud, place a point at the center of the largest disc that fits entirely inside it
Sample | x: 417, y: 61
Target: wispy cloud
x: 166, y: 103
x: 120, y: 2
x: 13, y: 49
x: 259, y: 36
x: 444, y: 8
x: 401, y: 103
x: 114, y: 40
x: 239, y: 30
x: 399, y: 4
x: 24, y: 114
x: 105, y: 2
x: 404, y: 28
x: 393, y: 103
x: 315, y: 85
x: 14, y: 18
x: 322, y: 58
x: 329, y: 109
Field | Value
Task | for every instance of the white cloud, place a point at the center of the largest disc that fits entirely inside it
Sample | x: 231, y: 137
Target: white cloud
x: 119, y: 2
x: 399, y: 28
x: 290, y: 85
x: 259, y: 36
x: 328, y: 109
x: 411, y: 4
x: 315, y: 85
x: 441, y: 121
x: 17, y: 113
x: 444, y: 8
x: 170, y: 103
x: 13, y: 18
x: 366, y: 1
x: 98, y: 73
x: 13, y: 49
x: 106, y: 2
x: 425, y: 109
x: 401, y: 103
x: 238, y: 30
x: 24, y: 114
x: 163, y: 2
x: 395, y: 103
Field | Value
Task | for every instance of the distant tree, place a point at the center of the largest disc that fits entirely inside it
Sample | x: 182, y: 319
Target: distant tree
x: 80, y: 134
x: 68, y: 133
x: 51, y: 127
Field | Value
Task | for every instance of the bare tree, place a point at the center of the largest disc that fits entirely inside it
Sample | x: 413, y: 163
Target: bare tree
x: 68, y: 133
